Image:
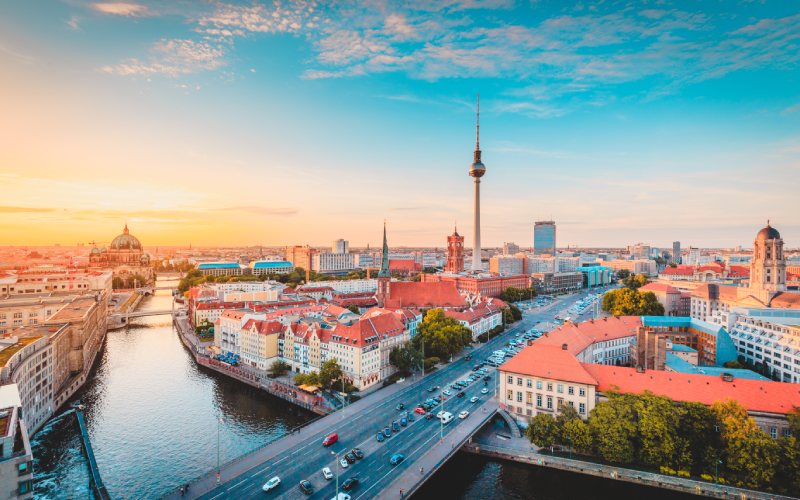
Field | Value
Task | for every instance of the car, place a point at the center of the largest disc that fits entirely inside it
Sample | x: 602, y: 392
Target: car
x: 326, y: 473
x: 440, y: 414
x: 446, y: 418
x: 343, y: 463
x: 473, y: 399
x: 485, y: 390
x: 396, y: 459
x: 460, y: 394
x: 306, y: 487
x: 387, y: 431
x: 468, y: 357
x: 419, y: 410
x: 380, y: 437
x: 486, y: 378
x: 271, y: 484
x: 464, y: 414
x: 330, y: 439
x: 341, y: 496
x: 404, y: 421
x: 395, y: 426
x: 399, y: 407
x: 358, y: 453
x: 429, y: 416
x: 433, y: 388
x: 442, y: 397
x: 350, y: 483
x: 476, y: 368
x: 351, y: 459
x: 447, y: 392
x: 410, y: 417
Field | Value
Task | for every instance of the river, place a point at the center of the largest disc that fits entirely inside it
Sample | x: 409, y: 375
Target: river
x: 154, y: 418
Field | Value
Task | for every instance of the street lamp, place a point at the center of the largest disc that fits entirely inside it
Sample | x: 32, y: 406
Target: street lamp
x: 219, y: 425
x: 338, y: 465
x: 716, y: 470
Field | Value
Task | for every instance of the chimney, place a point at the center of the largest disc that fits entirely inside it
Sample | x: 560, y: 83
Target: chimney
x: 564, y: 347
x: 727, y: 377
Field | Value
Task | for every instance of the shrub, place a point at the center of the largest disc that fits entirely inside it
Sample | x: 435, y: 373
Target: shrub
x: 666, y: 470
x: 706, y: 477
x: 684, y: 473
x: 431, y: 362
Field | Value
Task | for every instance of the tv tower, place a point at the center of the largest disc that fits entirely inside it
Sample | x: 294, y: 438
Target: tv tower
x: 476, y: 170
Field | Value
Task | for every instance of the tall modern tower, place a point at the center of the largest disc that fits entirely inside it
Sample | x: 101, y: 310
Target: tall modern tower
x: 476, y: 171
x: 676, y: 252
x: 544, y: 237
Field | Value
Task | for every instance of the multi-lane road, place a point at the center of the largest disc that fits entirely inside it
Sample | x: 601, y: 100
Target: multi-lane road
x: 305, y: 460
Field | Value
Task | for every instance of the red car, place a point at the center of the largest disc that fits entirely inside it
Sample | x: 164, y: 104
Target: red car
x: 329, y: 440
x: 419, y: 410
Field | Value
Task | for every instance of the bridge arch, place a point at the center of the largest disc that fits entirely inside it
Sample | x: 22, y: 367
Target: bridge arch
x: 512, y: 424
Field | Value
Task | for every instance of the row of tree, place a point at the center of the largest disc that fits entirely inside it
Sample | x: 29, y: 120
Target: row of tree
x: 690, y: 438
x: 630, y: 302
x: 329, y: 374
x: 128, y: 281
x: 442, y: 337
x: 512, y: 294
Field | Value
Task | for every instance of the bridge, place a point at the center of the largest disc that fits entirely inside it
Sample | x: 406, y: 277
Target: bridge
x: 425, y: 443
x: 140, y: 314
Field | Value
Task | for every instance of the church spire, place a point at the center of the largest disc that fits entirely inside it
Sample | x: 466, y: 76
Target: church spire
x: 384, y: 272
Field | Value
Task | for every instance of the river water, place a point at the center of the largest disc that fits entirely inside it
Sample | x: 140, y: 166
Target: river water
x: 155, y: 418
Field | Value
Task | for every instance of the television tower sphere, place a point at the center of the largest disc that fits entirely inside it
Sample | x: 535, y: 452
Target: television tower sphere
x: 477, y: 169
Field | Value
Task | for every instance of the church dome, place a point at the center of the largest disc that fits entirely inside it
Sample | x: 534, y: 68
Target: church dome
x: 126, y: 241
x: 95, y: 250
x: 768, y: 233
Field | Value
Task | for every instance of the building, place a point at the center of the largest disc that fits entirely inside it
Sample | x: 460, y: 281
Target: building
x: 540, y: 264
x: 340, y: 246
x: 259, y: 343
x: 476, y: 171
x: 768, y: 266
x: 510, y: 249
x: 333, y: 263
x: 125, y: 256
x: 544, y: 237
x: 596, y: 275
x: 16, y: 457
x: 541, y: 379
x: 676, y: 252
x: 693, y: 256
x: 636, y: 266
x: 455, y: 253
x: 51, y: 279
x: 607, y: 341
x: 220, y: 268
x: 639, y: 251
x: 300, y: 256
x: 404, y: 267
x: 480, y: 318
x: 676, y: 302
x: 557, y: 282
x: 271, y: 267
x: 485, y: 285
x: 713, y: 344
x: 507, y: 264
x: 346, y: 286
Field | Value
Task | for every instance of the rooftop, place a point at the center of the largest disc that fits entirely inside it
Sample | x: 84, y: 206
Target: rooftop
x: 271, y: 264
x: 218, y: 265
x: 75, y: 310
x: 547, y: 361
x: 579, y: 336
x: 676, y: 364
x: 8, y: 351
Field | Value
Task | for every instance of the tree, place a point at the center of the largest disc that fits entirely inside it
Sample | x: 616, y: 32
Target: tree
x: 576, y: 434
x: 443, y: 336
x: 622, y: 274
x: 636, y: 281
x: 697, y: 426
x: 278, y: 368
x: 612, y: 425
x: 542, y: 430
x: 311, y: 378
x: 657, y: 418
x: 330, y: 372
x: 629, y: 302
x: 404, y: 357
x: 353, y: 309
x: 512, y: 294
x: 749, y: 454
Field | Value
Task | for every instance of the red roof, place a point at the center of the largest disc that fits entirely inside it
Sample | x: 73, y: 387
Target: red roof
x: 548, y: 361
x: 786, y: 300
x: 264, y: 327
x: 423, y: 295
x: 579, y: 336
x: 404, y: 265
x: 373, y: 327
x: 739, y: 272
x: 753, y: 395
x: 679, y: 271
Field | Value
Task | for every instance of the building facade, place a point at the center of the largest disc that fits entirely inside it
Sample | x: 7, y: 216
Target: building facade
x: 544, y: 237
x: 455, y: 253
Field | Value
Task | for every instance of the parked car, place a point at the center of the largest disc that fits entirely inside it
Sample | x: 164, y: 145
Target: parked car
x: 306, y: 487
x: 350, y: 483
x: 433, y: 389
x: 399, y: 406
x: 326, y: 473
x: 395, y: 426
x: 343, y: 462
x: 419, y: 410
x: 396, y: 458
x: 447, y: 392
x: 341, y: 496
x: 485, y: 390
x: 404, y: 421
x: 271, y: 484
x: 351, y: 459
x: 330, y: 439
x: 460, y: 394
x: 428, y: 416
x: 358, y: 453
x: 464, y: 414
x: 380, y: 437
x: 387, y: 431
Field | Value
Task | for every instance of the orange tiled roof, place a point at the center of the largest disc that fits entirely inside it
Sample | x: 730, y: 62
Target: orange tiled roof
x: 550, y: 362
x: 679, y: 271
x: 659, y: 287
x: 753, y: 395
x: 423, y: 295
x: 579, y: 336
x: 363, y: 329
x: 786, y: 300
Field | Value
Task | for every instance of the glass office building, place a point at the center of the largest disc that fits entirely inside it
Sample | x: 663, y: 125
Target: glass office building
x: 544, y: 237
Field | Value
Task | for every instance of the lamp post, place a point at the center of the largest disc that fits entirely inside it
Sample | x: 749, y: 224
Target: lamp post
x: 423, y: 356
x: 338, y: 465
x: 219, y: 425
x: 716, y: 470
x: 441, y: 422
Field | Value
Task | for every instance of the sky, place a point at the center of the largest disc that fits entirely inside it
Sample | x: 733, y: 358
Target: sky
x: 294, y: 122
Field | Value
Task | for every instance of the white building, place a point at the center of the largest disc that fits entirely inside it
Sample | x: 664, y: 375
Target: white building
x: 340, y: 246
x: 480, y: 318
x: 333, y: 263
x: 507, y: 264
x: 346, y: 286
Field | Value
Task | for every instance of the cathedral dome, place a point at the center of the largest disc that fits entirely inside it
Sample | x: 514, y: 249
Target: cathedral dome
x: 768, y: 233
x: 126, y: 241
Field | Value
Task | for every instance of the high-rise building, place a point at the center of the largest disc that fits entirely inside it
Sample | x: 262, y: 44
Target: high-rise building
x: 340, y: 246
x: 676, y: 252
x: 455, y: 253
x: 476, y: 171
x: 768, y: 267
x: 544, y: 237
x: 510, y: 249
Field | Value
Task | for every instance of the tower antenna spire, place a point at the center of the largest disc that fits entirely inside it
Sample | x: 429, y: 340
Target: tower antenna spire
x: 478, y: 123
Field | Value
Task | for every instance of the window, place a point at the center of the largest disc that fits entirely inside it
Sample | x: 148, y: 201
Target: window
x: 539, y: 400
x: 561, y: 388
x: 581, y: 391
x: 550, y: 387
x: 549, y: 402
x: 581, y: 408
x: 519, y: 397
x: 539, y: 384
x: 570, y: 390
x: 529, y: 383
x: 519, y: 381
x: 510, y: 395
x: 773, y: 432
x: 510, y: 379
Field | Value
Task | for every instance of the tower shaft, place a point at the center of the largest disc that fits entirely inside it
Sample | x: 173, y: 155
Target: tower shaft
x: 476, y: 240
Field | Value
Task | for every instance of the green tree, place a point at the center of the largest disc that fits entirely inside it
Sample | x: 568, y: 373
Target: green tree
x: 278, y: 368
x: 622, y: 274
x: 749, y: 454
x: 697, y: 427
x: 657, y: 419
x: 353, y: 309
x: 543, y: 430
x: 311, y: 378
x: 443, y: 336
x: 636, y: 281
x: 512, y: 294
x: 576, y: 434
x: 330, y: 372
x: 629, y: 302
x: 405, y: 358
x: 612, y: 425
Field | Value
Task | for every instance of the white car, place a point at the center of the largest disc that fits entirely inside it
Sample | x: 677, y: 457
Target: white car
x: 474, y: 399
x: 343, y: 463
x: 440, y: 414
x: 464, y: 414
x: 341, y: 496
x: 484, y: 391
x: 326, y: 473
x: 447, y: 392
x: 271, y: 484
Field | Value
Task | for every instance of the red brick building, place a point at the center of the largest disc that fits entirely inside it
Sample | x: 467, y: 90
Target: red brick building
x: 486, y: 285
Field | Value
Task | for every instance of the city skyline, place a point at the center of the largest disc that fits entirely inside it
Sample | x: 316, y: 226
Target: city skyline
x: 245, y: 124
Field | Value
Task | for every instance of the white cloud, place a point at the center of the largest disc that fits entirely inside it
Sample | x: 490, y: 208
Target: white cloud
x: 173, y: 58
x: 128, y: 9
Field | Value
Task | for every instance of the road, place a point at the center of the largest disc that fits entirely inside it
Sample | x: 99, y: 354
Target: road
x: 306, y: 459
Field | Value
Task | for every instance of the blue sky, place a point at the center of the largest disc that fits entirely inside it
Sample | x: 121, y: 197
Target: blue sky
x: 294, y: 122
